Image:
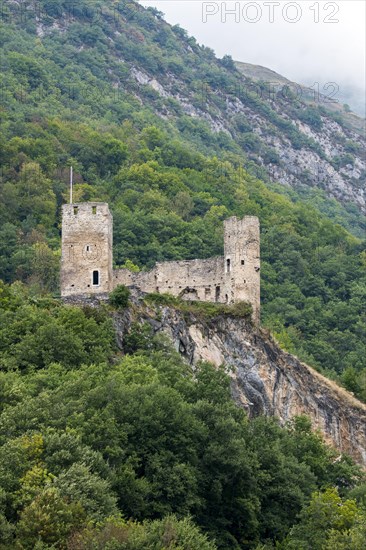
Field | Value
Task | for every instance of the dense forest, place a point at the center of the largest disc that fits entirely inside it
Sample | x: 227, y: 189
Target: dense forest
x: 103, y: 448
x: 100, y: 449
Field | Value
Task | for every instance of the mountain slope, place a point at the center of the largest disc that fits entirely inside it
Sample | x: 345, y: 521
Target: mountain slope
x: 310, y: 96
x: 128, y: 56
x: 75, y: 93
x: 264, y: 379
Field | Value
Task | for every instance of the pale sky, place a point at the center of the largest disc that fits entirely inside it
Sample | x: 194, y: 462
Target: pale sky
x: 307, y: 41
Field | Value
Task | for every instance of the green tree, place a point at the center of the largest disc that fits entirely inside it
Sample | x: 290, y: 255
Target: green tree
x: 36, y: 199
x: 327, y: 517
x: 79, y: 485
x: 49, y: 518
x: 168, y: 533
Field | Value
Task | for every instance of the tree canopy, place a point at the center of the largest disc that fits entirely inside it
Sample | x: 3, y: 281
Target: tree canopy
x: 98, y: 446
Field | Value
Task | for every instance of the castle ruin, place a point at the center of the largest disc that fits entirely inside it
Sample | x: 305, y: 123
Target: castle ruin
x: 87, y: 262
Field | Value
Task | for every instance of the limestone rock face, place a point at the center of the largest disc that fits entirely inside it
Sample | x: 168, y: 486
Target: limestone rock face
x: 296, y: 166
x: 264, y: 379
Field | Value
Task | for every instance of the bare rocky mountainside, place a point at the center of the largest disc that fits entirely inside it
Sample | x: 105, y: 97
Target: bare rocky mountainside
x: 264, y: 379
x: 295, y: 142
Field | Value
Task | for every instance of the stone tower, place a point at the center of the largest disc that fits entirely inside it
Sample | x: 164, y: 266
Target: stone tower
x: 87, y: 262
x: 242, y: 261
x: 87, y: 238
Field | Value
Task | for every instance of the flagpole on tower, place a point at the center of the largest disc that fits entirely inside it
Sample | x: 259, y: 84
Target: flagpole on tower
x: 71, y: 175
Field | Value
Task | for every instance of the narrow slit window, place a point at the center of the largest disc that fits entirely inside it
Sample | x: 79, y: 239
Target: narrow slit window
x: 242, y: 262
x: 94, y: 209
x: 228, y: 267
x: 76, y: 208
x: 87, y: 248
x: 95, y: 278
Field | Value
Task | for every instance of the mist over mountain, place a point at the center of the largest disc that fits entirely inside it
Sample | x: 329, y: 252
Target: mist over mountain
x: 354, y: 97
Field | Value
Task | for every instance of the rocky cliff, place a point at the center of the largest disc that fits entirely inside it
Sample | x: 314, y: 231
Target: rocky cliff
x: 334, y: 102
x: 265, y: 379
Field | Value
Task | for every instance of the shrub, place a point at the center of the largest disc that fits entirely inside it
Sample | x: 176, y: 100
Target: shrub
x: 241, y: 309
x: 119, y: 297
x: 138, y: 338
x: 162, y: 299
x: 203, y: 310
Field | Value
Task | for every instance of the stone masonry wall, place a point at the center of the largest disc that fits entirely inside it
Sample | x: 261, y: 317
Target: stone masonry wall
x: 87, y: 238
x: 87, y: 258
x: 189, y: 279
x: 242, y: 261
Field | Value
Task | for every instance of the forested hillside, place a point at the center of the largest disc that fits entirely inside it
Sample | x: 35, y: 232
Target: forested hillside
x: 112, y: 61
x: 169, y: 178
x: 104, y: 450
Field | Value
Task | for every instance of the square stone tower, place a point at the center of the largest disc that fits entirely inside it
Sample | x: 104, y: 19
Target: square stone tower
x: 87, y: 239
x: 242, y: 261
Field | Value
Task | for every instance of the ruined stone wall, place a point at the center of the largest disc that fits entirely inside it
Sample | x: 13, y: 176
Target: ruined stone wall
x: 228, y: 279
x: 87, y: 262
x: 190, y: 279
x: 144, y: 280
x: 87, y: 237
x: 193, y: 279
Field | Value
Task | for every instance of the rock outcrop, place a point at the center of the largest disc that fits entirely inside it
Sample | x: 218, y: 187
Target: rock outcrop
x: 326, y: 164
x: 264, y: 378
